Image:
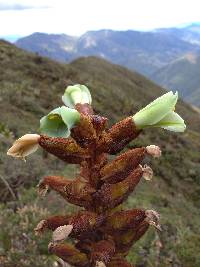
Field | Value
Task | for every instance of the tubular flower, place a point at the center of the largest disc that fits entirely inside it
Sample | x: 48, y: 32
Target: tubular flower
x: 160, y: 113
x: 76, y: 94
x: 24, y: 146
x: 59, y: 122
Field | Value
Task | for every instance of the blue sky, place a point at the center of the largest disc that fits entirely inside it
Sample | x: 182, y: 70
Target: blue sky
x: 74, y: 17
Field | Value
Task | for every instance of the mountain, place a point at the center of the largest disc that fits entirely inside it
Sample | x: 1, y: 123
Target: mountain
x: 31, y: 86
x: 183, y: 75
x: 144, y: 52
x: 60, y: 47
x: 150, y: 53
x: 189, y: 33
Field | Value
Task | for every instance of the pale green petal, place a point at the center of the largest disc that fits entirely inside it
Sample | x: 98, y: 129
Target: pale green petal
x: 156, y: 110
x: 59, y: 122
x: 163, y: 98
x: 53, y: 125
x: 71, y: 117
x: 171, y: 117
x: 55, y: 112
x: 72, y: 88
x: 175, y: 128
x: 66, y: 98
x: 75, y: 94
x: 172, y: 122
x: 86, y: 96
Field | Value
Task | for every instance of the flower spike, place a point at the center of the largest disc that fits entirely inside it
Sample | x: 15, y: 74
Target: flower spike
x: 103, y: 232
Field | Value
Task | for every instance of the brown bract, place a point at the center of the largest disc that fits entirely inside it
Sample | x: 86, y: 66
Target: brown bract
x: 64, y: 148
x: 122, y: 166
x: 103, y: 251
x: 118, y: 136
x: 69, y: 254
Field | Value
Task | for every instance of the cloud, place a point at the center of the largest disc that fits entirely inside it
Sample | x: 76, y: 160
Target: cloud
x: 5, y: 6
x: 78, y: 16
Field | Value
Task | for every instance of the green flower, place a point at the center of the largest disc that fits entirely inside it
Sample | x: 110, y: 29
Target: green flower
x: 59, y: 122
x: 75, y: 94
x: 160, y: 113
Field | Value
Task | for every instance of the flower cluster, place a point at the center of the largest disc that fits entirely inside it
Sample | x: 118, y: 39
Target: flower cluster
x: 103, y: 230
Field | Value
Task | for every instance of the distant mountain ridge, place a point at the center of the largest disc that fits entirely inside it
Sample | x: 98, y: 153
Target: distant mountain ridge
x: 149, y: 53
x: 144, y: 52
x: 190, y: 33
x: 56, y: 46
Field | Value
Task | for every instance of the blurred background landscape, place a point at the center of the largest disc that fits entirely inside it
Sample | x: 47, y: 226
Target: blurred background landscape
x: 125, y: 66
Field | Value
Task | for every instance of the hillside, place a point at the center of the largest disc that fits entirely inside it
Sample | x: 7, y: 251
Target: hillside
x: 144, y: 52
x: 183, y: 75
x: 30, y: 87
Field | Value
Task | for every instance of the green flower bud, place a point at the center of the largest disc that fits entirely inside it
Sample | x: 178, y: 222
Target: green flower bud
x: 159, y: 113
x: 59, y: 122
x: 75, y: 94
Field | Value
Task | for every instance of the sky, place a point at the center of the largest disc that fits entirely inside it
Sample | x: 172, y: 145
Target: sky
x: 75, y: 17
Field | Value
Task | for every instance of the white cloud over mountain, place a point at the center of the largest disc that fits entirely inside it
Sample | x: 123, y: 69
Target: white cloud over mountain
x: 17, y: 5
x: 74, y: 17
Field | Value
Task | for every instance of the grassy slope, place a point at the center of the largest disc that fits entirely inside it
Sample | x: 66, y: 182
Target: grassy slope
x: 30, y: 87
